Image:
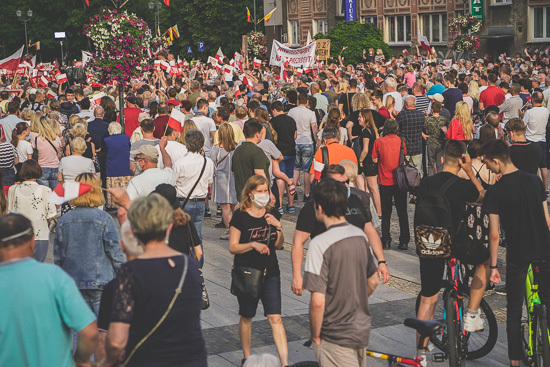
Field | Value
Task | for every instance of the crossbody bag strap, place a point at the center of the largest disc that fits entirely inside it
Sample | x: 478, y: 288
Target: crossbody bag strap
x: 53, y: 146
x: 177, y: 292
x: 349, y: 107
x: 268, y: 242
x: 401, y: 163
x: 324, y: 152
x: 195, y: 185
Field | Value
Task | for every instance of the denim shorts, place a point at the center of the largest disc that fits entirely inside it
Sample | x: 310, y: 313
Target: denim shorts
x: 287, y: 166
x: 271, y: 300
x: 304, y: 157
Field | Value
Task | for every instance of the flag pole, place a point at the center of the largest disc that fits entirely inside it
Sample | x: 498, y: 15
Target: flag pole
x: 254, y: 15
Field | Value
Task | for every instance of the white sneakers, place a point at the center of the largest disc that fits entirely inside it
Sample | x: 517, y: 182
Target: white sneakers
x: 225, y: 236
x: 473, y: 321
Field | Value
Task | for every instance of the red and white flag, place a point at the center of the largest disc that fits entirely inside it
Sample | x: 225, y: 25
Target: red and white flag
x: 174, y: 70
x: 164, y: 65
x: 78, y: 64
x: 227, y: 69
x: 239, y: 61
x: 299, y: 72
x: 61, y: 78
x: 96, y: 98
x: 51, y: 94
x: 318, y: 168
x: 12, y: 62
x: 157, y: 63
x: 43, y: 81
x: 219, y: 55
x: 257, y: 62
x: 424, y: 43
x: 70, y: 190
x: 176, y: 120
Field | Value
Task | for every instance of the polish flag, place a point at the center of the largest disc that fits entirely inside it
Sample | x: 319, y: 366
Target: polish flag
x: 78, y: 64
x: 174, y: 70
x: 164, y: 65
x: 12, y: 62
x: 157, y: 63
x: 176, y: 120
x: 299, y: 72
x: 51, y: 94
x: 96, y: 98
x: 219, y: 55
x: 318, y: 168
x: 232, y: 62
x: 227, y: 69
x: 257, y: 63
x: 61, y: 78
x: 43, y: 81
x: 424, y: 43
x: 70, y: 190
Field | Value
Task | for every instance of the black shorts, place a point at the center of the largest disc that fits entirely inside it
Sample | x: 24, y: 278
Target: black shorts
x: 271, y: 299
x: 369, y: 169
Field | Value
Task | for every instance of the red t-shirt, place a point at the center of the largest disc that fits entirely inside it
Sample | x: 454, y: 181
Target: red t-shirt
x: 160, y: 122
x: 455, y: 131
x: 130, y: 119
x: 387, y: 149
x: 384, y: 112
x: 493, y: 95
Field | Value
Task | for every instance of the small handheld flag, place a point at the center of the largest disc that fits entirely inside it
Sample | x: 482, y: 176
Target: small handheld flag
x: 176, y: 120
x: 68, y: 191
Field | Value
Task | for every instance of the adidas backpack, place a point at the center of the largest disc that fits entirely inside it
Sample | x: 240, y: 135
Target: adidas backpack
x: 433, y: 222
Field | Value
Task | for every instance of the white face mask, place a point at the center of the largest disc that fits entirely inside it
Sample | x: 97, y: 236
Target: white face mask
x: 260, y: 200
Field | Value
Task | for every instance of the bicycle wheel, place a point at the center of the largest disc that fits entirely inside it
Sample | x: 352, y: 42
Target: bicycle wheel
x: 541, y: 347
x: 306, y: 364
x: 454, y: 333
x: 478, y: 344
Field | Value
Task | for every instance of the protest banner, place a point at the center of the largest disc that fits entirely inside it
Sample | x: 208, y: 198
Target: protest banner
x: 296, y: 57
x: 322, y: 51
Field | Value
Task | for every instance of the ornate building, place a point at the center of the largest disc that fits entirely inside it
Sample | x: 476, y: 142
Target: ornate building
x: 508, y: 25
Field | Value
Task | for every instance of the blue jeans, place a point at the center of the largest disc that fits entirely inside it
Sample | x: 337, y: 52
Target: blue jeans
x: 92, y: 298
x: 304, y: 157
x: 49, y: 177
x: 196, y: 210
x: 287, y: 165
x: 41, y: 249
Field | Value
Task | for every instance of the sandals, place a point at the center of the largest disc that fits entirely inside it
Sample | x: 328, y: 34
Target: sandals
x: 291, y: 189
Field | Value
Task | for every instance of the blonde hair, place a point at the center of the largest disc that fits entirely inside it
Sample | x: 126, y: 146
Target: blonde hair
x: 73, y: 120
x: 360, y: 101
x: 351, y: 169
x: 115, y: 128
x: 78, y: 145
x: 92, y: 198
x: 343, y: 87
x: 187, y: 125
x: 462, y: 114
x: 251, y: 184
x: 46, y: 128
x: 26, y: 114
x: 226, y: 137
x: 181, y: 218
x: 389, y: 101
x: 35, y: 121
x: 80, y: 130
x: 150, y: 217
x: 473, y: 90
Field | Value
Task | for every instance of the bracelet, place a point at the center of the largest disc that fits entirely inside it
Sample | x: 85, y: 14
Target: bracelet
x: 279, y: 229
x: 382, y: 262
x: 493, y: 267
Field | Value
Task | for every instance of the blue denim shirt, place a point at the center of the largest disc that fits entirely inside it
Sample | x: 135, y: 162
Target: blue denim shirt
x: 86, y: 246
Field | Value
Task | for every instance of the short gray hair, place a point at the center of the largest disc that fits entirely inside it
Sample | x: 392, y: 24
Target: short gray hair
x: 115, y: 128
x: 150, y: 217
x: 194, y: 140
x: 410, y: 101
x: 330, y: 133
x: 129, y: 241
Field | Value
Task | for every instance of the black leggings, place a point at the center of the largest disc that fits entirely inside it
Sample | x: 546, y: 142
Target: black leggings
x: 387, y: 194
x: 515, y: 296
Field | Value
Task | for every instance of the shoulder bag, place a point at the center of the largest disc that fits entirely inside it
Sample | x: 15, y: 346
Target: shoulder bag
x: 35, y: 149
x: 248, y: 282
x: 176, y: 294
x: 407, y: 177
x: 205, y: 299
x: 195, y: 185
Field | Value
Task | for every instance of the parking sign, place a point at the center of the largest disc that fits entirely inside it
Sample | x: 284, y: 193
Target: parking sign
x: 201, y: 46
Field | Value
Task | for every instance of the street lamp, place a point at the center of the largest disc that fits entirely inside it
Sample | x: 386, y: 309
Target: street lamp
x: 157, y: 12
x: 29, y: 14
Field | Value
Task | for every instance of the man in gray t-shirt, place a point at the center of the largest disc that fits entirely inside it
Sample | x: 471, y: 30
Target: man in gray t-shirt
x: 338, y: 267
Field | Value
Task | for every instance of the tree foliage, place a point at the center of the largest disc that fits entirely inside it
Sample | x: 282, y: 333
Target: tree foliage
x: 214, y: 22
x: 356, y: 36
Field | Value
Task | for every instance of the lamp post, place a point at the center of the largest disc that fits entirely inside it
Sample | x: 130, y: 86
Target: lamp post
x: 157, y: 13
x: 29, y: 14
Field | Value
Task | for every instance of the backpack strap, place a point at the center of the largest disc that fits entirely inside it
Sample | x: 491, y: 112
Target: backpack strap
x: 324, y: 151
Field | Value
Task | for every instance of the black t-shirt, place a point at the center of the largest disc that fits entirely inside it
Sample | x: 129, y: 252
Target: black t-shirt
x: 182, y: 238
x: 256, y: 230
x: 460, y: 192
x: 379, y: 120
x: 368, y: 133
x: 288, y: 106
x: 526, y: 156
x: 285, y: 126
x: 356, y: 214
x: 106, y: 305
x: 343, y: 100
x: 518, y: 199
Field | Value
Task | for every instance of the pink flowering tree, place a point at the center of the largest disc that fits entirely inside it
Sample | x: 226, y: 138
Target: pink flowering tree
x: 121, y: 43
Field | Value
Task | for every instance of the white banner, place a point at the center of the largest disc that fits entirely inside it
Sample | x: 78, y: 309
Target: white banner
x: 297, y: 57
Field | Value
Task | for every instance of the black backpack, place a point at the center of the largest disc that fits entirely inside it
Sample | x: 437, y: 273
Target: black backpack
x: 433, y: 222
x: 357, y: 147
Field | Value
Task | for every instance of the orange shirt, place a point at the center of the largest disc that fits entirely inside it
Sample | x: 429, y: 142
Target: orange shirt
x: 336, y: 153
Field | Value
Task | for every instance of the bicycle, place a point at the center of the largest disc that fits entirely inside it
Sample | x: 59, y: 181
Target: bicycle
x: 456, y: 344
x: 535, y: 327
x: 424, y: 328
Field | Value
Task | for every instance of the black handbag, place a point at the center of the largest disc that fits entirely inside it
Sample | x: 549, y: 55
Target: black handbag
x: 248, y: 282
x: 408, y: 177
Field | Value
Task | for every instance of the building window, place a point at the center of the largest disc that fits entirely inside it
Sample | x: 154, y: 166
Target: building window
x: 293, y: 32
x: 540, y: 23
x: 502, y: 2
x: 398, y: 29
x: 371, y: 19
x: 320, y: 26
x: 434, y: 27
x: 342, y: 8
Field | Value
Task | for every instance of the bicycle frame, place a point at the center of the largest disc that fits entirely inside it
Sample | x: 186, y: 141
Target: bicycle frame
x: 453, y: 271
x: 393, y: 360
x: 533, y: 304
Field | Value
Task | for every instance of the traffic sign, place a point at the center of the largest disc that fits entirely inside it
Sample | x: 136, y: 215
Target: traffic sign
x: 201, y: 46
x: 189, y: 50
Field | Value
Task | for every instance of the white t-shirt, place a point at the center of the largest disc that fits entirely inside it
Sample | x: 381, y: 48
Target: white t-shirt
x: 271, y: 152
x: 206, y: 125
x: 73, y: 165
x: 304, y: 118
x: 535, y: 121
x: 147, y: 182
x: 175, y: 150
x: 398, y: 100
x: 186, y: 173
x: 24, y: 148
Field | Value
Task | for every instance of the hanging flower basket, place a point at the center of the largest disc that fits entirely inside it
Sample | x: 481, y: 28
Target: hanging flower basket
x: 257, y: 42
x: 465, y: 29
x: 121, y: 42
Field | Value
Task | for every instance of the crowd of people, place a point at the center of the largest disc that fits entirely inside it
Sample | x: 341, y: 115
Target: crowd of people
x: 248, y: 139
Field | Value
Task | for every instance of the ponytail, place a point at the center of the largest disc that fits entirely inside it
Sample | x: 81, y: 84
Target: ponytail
x: 14, y: 138
x: 19, y: 129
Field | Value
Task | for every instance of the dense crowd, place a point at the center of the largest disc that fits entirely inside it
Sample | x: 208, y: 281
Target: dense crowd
x: 248, y: 137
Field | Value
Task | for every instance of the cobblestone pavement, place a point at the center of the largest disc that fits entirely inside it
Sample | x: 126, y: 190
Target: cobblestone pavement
x: 390, y: 304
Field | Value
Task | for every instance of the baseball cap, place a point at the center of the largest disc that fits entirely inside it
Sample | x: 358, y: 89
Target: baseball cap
x: 147, y: 150
x: 132, y: 99
x: 168, y: 192
x: 438, y: 97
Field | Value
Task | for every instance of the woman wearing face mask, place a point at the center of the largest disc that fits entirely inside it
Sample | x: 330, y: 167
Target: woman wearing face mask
x: 250, y: 226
